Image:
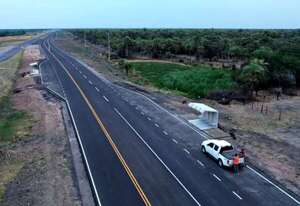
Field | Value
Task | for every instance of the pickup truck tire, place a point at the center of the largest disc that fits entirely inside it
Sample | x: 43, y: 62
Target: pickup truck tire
x: 220, y: 163
x: 203, y: 149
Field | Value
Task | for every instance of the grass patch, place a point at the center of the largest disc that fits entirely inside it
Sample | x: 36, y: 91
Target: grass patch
x: 14, y: 124
x: 7, y: 174
x: 12, y: 40
x: 13, y: 62
x: 190, y: 81
x: 8, y: 71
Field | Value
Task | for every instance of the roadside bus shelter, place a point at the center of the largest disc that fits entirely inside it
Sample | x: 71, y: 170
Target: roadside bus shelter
x: 208, y: 117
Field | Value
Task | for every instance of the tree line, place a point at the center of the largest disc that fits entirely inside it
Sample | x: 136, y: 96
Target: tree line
x: 12, y: 32
x: 272, y: 56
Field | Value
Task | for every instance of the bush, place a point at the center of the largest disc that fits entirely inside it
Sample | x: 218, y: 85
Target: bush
x: 198, y: 82
x: 192, y: 81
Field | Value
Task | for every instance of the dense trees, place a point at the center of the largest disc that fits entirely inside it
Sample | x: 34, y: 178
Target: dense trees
x: 278, y: 49
x: 11, y: 32
x: 16, y: 32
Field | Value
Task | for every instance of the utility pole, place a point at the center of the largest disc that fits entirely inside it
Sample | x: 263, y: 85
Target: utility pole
x: 84, y: 38
x: 108, y: 45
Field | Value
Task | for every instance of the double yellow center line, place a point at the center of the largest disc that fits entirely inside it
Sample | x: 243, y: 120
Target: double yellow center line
x: 109, y: 138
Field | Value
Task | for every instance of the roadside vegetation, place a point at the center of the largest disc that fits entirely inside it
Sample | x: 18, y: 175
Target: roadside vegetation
x: 260, y: 59
x: 13, y: 123
x: 190, y: 81
x: 8, y: 71
x: 11, y: 37
x: 11, y: 32
x: 17, y: 32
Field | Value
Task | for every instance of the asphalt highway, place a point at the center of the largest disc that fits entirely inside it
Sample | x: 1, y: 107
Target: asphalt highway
x: 131, y: 160
x: 16, y: 48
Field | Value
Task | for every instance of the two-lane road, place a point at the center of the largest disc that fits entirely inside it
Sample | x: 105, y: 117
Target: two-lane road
x: 130, y: 158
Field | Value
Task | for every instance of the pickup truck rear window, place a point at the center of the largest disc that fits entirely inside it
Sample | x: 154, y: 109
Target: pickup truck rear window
x: 226, y: 148
x: 211, y: 145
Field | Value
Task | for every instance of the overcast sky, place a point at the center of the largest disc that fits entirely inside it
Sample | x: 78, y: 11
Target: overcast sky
x: 149, y: 14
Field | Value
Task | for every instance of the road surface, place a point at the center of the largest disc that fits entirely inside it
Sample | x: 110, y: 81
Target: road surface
x: 6, y: 54
x: 132, y: 161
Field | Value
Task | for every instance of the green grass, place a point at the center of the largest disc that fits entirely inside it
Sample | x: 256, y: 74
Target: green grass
x: 7, y: 174
x: 13, y: 124
x: 13, y: 62
x: 190, y: 81
x: 8, y: 71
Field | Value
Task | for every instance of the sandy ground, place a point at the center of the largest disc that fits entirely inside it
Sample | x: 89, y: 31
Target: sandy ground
x: 8, y: 41
x: 272, y: 145
x: 46, y: 175
x: 15, y: 38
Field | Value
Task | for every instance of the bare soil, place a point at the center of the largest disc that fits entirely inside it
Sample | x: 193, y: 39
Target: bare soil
x: 271, y: 139
x: 12, y: 40
x: 43, y: 164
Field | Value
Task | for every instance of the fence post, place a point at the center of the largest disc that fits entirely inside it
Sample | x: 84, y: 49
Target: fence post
x: 279, y: 117
x: 262, y: 108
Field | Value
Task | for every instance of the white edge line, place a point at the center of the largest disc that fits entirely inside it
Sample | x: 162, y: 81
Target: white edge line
x: 175, y: 141
x: 90, y: 82
x: 200, y: 163
x: 161, y: 108
x: 281, y: 190
x: 186, y: 151
x: 156, y: 125
x: 40, y: 70
x: 79, y: 139
x: 50, y: 90
x: 56, y: 93
x: 218, y: 178
x: 104, y: 97
x: 97, y: 89
x: 165, y: 133
x: 84, y: 155
x: 187, y: 124
x: 161, y: 161
x: 237, y: 195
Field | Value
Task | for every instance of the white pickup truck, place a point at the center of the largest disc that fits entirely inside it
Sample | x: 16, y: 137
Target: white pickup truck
x: 222, y: 151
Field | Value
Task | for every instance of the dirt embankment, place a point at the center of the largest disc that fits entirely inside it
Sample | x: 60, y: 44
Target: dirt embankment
x: 41, y: 162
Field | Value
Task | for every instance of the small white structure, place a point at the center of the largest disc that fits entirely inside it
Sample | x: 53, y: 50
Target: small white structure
x: 208, y: 118
x: 33, y: 64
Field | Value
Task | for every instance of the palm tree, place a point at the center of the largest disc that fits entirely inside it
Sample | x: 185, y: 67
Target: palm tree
x: 253, y: 76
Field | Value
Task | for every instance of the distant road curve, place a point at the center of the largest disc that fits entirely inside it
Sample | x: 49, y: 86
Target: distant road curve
x: 6, y: 54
